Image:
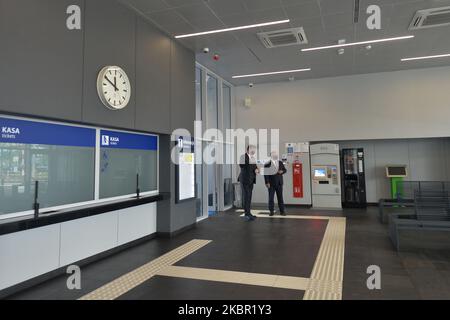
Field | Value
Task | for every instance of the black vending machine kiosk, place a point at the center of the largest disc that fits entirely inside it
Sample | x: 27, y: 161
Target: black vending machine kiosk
x: 354, y: 182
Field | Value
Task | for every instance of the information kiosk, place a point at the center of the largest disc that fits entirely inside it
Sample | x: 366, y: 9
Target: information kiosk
x: 396, y: 173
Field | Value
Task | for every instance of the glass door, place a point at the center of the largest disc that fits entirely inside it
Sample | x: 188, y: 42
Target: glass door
x: 212, y: 184
x: 212, y: 110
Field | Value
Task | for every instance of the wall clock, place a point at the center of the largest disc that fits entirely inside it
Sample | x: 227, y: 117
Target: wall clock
x: 113, y: 87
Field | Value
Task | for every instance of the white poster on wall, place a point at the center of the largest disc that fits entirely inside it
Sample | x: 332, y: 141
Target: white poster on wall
x: 186, y: 176
x: 186, y: 169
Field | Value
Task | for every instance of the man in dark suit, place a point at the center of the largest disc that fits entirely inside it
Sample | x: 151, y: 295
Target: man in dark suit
x: 273, y: 177
x: 247, y: 178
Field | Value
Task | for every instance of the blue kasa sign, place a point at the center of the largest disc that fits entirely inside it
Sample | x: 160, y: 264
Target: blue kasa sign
x: 31, y: 132
x: 124, y: 140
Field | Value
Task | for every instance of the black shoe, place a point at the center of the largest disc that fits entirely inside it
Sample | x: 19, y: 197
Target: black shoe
x: 253, y: 217
x: 248, y: 218
x: 271, y: 214
x: 283, y: 213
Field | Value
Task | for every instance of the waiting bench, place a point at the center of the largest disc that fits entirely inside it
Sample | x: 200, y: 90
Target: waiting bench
x: 431, y: 217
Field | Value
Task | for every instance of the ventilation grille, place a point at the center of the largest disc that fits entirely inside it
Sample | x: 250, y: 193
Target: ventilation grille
x: 431, y: 18
x: 282, y: 38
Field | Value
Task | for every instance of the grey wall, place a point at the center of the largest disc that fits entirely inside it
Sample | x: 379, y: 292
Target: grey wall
x: 48, y: 71
x: 391, y: 105
x: 427, y: 160
x: 382, y: 111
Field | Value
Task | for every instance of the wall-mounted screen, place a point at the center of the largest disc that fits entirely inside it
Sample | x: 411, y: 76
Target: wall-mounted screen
x: 127, y: 161
x: 60, y: 157
x: 396, y: 171
x: 185, y: 170
x: 320, y: 173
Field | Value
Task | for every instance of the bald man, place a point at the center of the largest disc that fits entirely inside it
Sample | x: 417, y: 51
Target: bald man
x: 273, y: 177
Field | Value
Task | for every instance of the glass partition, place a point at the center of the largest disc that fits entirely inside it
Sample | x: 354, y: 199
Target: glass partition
x: 60, y: 158
x: 127, y: 162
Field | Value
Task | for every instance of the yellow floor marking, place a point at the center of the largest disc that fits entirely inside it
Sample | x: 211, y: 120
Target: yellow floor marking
x: 325, y: 282
x: 125, y: 283
x: 327, y: 276
x: 255, y: 279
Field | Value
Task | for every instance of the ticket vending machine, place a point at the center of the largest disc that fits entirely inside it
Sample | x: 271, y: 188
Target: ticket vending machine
x: 297, y: 180
x: 326, y: 176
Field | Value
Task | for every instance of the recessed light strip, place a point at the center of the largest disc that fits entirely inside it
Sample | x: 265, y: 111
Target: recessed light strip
x: 357, y: 43
x: 270, y: 73
x: 427, y: 57
x: 232, y: 29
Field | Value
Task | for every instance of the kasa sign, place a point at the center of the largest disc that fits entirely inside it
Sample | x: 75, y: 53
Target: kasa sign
x: 10, y: 132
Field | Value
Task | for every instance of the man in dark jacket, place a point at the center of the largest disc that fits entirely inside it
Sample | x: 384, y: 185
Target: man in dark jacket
x: 273, y: 177
x: 247, y: 178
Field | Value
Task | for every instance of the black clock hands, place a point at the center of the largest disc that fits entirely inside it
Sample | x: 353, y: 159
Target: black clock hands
x: 113, y: 84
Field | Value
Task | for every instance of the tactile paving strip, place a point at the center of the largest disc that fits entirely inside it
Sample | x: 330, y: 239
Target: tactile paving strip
x: 125, y: 283
x: 328, y: 271
x: 325, y: 282
x: 254, y: 279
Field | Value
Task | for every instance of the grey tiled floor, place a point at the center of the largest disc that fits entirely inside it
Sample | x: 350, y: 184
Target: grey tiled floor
x: 423, y: 274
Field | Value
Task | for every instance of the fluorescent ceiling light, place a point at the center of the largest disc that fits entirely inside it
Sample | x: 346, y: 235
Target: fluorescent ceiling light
x: 357, y: 43
x: 232, y: 29
x: 427, y: 57
x: 270, y: 73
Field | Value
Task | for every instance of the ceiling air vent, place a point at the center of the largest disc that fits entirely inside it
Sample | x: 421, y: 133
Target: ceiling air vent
x: 429, y: 18
x: 282, y: 38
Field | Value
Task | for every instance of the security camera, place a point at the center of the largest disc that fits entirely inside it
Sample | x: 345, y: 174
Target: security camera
x: 250, y: 85
x: 205, y: 50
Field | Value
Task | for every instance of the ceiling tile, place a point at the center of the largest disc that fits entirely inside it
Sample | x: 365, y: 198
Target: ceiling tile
x: 296, y: 2
x: 179, y: 28
x: 261, y: 4
x: 194, y: 12
x: 180, y: 3
x: 226, y: 8
x: 237, y: 19
x: 165, y: 18
x: 336, y: 6
x: 268, y: 15
x: 147, y: 6
x: 333, y: 21
x: 211, y: 23
x: 304, y: 10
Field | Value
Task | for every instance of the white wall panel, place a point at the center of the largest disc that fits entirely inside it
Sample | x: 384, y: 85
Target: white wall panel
x: 27, y: 254
x: 136, y: 222
x: 83, y: 238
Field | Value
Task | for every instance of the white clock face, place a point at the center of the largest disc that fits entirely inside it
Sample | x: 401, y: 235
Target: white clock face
x: 113, y: 87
